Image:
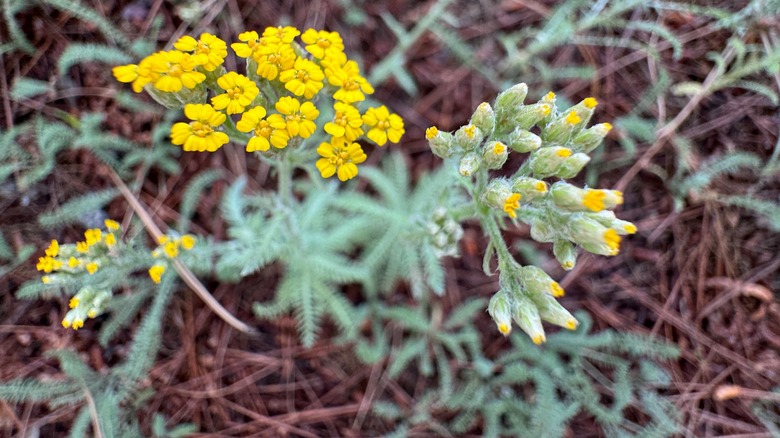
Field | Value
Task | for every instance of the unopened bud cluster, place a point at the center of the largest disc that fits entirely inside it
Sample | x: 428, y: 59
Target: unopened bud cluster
x: 93, y: 263
x: 557, y: 143
x: 444, y: 233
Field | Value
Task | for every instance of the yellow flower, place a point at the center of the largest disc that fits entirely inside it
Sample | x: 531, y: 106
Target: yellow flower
x: 240, y: 92
x: 82, y: 247
x: 251, y: 45
x: 210, y: 50
x: 431, y: 132
x: 200, y: 134
x: 573, y: 118
x: 340, y: 158
x: 175, y: 69
x: 253, y: 121
x: 346, y: 122
x: 92, y: 236
x: 91, y: 267
x: 304, y: 79
x: 274, y: 58
x: 320, y: 42
x: 296, y: 119
x: 281, y: 34
x: 156, y: 272
x: 171, y: 249
x: 612, y: 240
x: 73, y: 303
x: 53, y: 249
x: 384, y: 125
x: 48, y: 264
x: 511, y: 204
x: 110, y: 239
x: 139, y: 75
x: 111, y: 224
x: 187, y: 241
x: 351, y: 85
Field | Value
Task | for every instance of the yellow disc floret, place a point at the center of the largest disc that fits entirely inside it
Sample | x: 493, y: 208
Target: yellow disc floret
x: 511, y: 204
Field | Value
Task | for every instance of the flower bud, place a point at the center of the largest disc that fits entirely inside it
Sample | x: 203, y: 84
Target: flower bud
x: 523, y: 141
x: 439, y: 141
x: 508, y: 100
x: 469, y: 164
x: 589, y: 139
x: 529, y: 188
x: 572, y: 166
x: 560, y: 130
x: 543, y: 231
x: 500, y: 309
x: 527, y: 116
x: 498, y: 195
x: 468, y: 137
x: 566, y: 254
x: 526, y: 316
x: 553, y: 312
x: 494, y: 155
x: 592, y: 236
x: 546, y: 161
x: 484, y: 118
x: 536, y: 281
x: 608, y: 219
x: 584, y: 110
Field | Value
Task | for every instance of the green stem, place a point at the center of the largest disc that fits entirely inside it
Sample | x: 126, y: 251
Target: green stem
x: 506, y: 263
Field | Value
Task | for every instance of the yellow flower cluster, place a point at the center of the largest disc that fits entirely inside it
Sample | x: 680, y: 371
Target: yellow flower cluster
x: 275, y: 63
x: 169, y: 247
x: 83, y: 256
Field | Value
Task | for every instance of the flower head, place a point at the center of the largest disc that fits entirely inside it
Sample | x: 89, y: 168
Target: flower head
x: 280, y: 34
x: 200, y: 135
x: 253, y: 121
x: 296, y: 118
x: 318, y: 43
x: 346, y: 122
x: 156, y: 272
x: 340, y: 158
x: 511, y: 204
x: 384, y: 125
x: 352, y: 86
x: 274, y: 58
x: 250, y: 45
x: 303, y: 79
x: 174, y: 70
x: 210, y: 50
x: 240, y: 91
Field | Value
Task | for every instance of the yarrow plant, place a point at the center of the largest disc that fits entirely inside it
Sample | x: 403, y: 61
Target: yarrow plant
x: 91, y: 267
x: 558, y: 142
x: 278, y: 103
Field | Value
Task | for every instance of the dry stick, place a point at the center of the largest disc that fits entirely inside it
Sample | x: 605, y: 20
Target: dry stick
x: 670, y: 128
x: 93, y: 412
x: 183, y: 270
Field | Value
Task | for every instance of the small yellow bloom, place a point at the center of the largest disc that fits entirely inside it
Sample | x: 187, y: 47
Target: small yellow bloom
x: 91, y: 267
x: 77, y: 324
x: 188, y: 241
x: 73, y: 303
x: 318, y: 43
x: 139, y: 75
x: 53, y: 249
x: 73, y: 262
x: 384, y: 125
x: 504, y: 328
x: 511, y: 204
x: 253, y: 121
x: 557, y: 290
x: 431, y: 132
x: 296, y: 118
x: 590, y: 102
x: 563, y: 152
x: 304, y: 79
x: 93, y: 236
x: 92, y: 313
x: 171, y: 249
x: 630, y: 228
x: 573, y: 118
x: 352, y: 86
x: 498, y: 148
x: 274, y: 58
x: 156, y: 272
x: 162, y: 239
x: 340, y: 158
x: 346, y: 122
x: 209, y: 50
x: 612, y: 239
x: 251, y: 45
x: 176, y: 70
x: 470, y: 131
x: 240, y: 91
x: 110, y: 239
x: 82, y: 247
x: 541, y: 186
x: 200, y: 135
x: 280, y: 34
x: 111, y: 224
x: 593, y: 200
